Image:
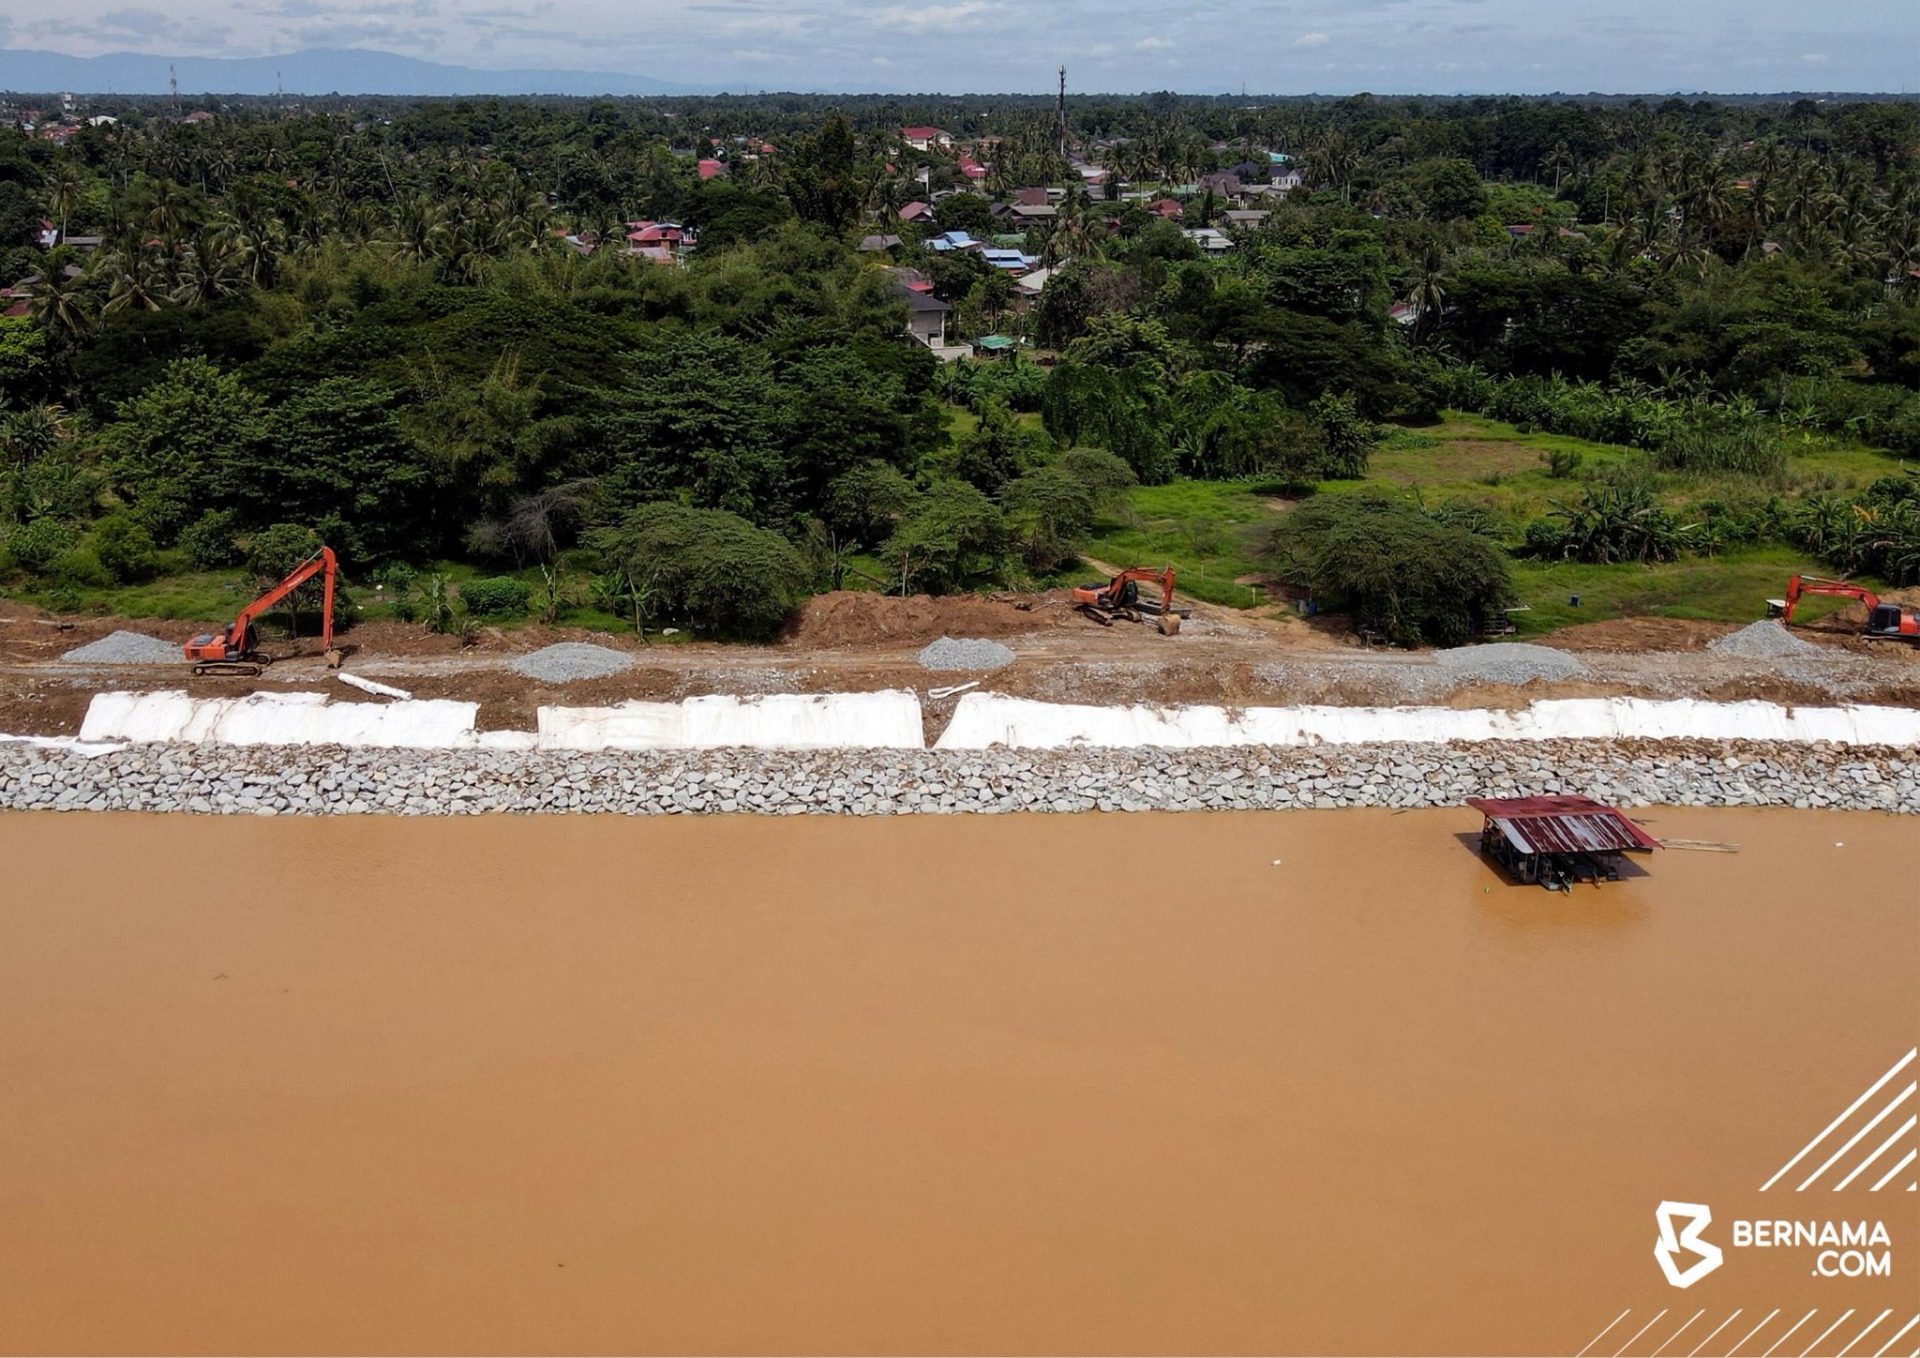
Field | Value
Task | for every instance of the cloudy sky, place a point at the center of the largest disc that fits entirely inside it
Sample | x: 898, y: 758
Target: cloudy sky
x: 1293, y: 46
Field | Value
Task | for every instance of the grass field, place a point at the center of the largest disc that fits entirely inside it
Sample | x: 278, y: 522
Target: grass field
x: 1211, y: 531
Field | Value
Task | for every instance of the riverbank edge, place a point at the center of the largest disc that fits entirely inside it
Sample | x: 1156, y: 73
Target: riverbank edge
x: 310, y: 780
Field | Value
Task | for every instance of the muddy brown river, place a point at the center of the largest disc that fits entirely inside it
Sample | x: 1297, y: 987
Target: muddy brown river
x: 1306, y: 1082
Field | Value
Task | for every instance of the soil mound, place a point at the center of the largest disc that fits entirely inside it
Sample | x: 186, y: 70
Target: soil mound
x: 852, y: 618
x: 1618, y: 635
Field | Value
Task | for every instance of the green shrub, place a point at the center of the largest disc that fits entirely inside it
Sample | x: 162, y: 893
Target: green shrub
x: 1397, y: 567
x: 80, y: 565
x: 211, y: 541
x: 124, y: 549
x: 1621, y: 522
x: 706, y: 567
x: 37, y: 545
x: 498, y: 596
x: 1743, y: 448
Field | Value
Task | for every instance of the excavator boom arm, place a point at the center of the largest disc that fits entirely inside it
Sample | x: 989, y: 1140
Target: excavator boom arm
x: 321, y: 561
x: 1810, y: 584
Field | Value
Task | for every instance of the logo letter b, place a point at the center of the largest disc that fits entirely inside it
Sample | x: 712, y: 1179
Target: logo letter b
x: 1671, y: 1243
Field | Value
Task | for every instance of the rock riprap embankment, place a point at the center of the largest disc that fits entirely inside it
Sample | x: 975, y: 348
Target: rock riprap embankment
x: 330, y: 780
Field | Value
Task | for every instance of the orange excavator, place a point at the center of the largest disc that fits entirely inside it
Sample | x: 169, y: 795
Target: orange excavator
x: 236, y: 651
x: 1119, y: 598
x: 1884, y: 621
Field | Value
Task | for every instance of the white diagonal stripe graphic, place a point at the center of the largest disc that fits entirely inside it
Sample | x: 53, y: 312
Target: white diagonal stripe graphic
x: 1716, y: 1330
x: 1756, y: 1330
x: 1884, y: 1147
x: 1896, y: 1336
x: 1598, y: 1337
x: 1852, y: 1108
x: 1864, y: 1333
x: 1637, y: 1333
x: 1796, y: 1325
x: 1895, y: 1170
x: 1855, y: 1139
x: 1824, y: 1333
x: 1677, y: 1333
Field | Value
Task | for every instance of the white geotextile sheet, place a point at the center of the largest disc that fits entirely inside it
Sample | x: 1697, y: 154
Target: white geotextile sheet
x: 790, y: 721
x: 279, y: 719
x: 981, y: 720
x: 780, y: 721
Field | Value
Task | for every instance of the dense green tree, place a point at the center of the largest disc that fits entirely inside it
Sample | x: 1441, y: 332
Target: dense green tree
x: 952, y: 536
x: 1396, y: 567
x: 698, y: 421
x: 336, y: 457
x: 824, y: 179
x: 184, y: 445
x: 704, y: 567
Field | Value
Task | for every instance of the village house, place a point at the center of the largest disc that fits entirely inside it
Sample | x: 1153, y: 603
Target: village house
x: 1208, y: 239
x: 660, y: 242
x: 926, y: 138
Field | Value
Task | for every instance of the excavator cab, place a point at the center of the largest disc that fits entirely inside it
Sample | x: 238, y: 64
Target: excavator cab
x: 1890, y: 620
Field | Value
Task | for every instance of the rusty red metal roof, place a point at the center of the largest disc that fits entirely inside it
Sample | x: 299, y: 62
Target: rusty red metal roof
x: 1564, y: 824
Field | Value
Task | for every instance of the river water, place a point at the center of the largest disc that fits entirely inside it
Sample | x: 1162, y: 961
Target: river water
x: 1305, y: 1082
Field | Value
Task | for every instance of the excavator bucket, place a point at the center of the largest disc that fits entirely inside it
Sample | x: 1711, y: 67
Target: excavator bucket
x: 334, y: 656
x: 1169, y: 624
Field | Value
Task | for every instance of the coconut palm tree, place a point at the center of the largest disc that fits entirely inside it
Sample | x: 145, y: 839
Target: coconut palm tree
x: 134, y: 281
x: 207, y: 268
x: 65, y: 194
x: 59, y: 301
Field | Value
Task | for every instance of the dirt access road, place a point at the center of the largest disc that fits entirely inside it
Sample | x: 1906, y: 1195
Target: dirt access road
x: 1300, y: 1082
x: 858, y: 641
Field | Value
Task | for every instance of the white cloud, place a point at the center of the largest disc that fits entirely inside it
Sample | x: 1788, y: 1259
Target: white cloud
x: 1153, y: 44
x: 1813, y: 58
x: 1312, y: 40
x: 750, y: 54
x: 925, y: 18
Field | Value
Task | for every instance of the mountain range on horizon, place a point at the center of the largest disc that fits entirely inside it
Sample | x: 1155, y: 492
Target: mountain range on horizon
x: 314, y: 71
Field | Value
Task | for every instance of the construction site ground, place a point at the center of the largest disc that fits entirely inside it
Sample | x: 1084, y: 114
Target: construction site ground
x: 848, y: 642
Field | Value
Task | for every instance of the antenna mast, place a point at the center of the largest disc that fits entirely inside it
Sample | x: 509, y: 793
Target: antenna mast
x: 1062, y: 111
x: 173, y: 84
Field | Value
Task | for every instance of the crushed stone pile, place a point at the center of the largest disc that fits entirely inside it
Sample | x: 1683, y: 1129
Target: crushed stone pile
x: 1509, y: 662
x: 1763, y: 640
x: 566, y: 661
x: 965, y: 653
x: 126, y: 648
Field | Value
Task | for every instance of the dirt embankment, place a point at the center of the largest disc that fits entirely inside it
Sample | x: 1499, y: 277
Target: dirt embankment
x: 847, y: 619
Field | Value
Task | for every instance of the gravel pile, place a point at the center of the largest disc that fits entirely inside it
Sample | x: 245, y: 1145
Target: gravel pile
x: 267, y: 780
x: 1764, y: 640
x: 1509, y: 662
x: 567, y: 661
x: 965, y: 653
x: 126, y: 648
